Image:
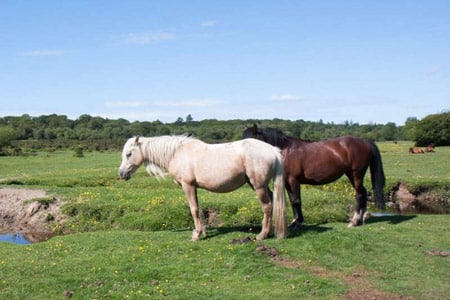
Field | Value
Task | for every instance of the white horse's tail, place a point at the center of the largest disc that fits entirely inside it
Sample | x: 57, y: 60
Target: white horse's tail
x: 279, y: 200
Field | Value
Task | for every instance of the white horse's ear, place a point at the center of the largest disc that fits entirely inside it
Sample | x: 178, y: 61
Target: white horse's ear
x: 136, y: 140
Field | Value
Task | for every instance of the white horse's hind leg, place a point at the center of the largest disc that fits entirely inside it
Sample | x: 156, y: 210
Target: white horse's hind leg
x: 266, y: 202
x: 191, y: 195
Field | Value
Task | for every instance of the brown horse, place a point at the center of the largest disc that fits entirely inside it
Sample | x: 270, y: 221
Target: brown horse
x: 413, y: 150
x: 323, y: 162
x: 430, y: 148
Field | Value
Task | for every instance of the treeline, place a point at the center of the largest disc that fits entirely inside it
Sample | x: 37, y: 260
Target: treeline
x: 97, y: 133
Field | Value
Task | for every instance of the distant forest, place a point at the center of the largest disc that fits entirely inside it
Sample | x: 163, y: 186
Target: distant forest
x: 47, y: 132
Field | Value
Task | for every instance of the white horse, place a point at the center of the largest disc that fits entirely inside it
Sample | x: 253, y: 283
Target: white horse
x: 219, y: 168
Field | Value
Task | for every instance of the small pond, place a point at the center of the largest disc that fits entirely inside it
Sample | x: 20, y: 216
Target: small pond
x: 15, y: 238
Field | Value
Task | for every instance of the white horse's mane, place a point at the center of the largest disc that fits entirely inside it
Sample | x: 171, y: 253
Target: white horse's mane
x: 159, y: 151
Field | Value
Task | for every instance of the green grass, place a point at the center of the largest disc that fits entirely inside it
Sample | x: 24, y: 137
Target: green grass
x: 165, y: 264
x: 132, y: 239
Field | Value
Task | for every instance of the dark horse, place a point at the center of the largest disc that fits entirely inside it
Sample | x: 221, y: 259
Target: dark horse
x: 323, y: 162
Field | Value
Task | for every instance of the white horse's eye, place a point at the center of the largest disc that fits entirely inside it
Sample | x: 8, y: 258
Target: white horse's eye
x: 128, y: 155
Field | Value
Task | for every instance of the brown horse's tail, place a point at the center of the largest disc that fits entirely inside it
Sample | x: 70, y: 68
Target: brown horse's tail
x: 279, y: 200
x: 377, y: 175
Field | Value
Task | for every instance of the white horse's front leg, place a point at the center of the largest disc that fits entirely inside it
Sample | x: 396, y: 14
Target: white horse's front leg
x: 191, y: 195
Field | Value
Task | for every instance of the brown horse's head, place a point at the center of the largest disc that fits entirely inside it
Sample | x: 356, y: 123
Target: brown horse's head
x: 273, y: 136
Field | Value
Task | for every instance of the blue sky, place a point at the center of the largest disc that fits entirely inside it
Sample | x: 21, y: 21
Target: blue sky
x: 336, y: 61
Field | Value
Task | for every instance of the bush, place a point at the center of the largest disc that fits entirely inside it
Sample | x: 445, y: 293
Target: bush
x: 434, y: 129
x: 78, y: 152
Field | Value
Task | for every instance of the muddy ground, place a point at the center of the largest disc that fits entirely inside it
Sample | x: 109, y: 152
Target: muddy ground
x: 402, y: 200
x: 33, y: 213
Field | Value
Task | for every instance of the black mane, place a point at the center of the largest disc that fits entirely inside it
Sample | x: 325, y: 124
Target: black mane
x: 269, y: 135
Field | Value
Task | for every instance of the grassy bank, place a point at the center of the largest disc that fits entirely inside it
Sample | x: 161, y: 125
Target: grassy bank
x: 132, y: 239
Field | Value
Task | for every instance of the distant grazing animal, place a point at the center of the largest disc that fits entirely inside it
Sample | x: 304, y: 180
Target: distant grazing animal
x: 413, y: 150
x: 219, y: 168
x: 430, y: 148
x: 323, y: 162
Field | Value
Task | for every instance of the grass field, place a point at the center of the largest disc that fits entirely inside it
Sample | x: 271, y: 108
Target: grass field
x: 132, y: 239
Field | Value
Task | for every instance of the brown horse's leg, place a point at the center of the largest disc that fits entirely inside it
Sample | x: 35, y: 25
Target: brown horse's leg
x: 361, y: 201
x: 191, y: 195
x: 266, y: 203
x: 294, y: 193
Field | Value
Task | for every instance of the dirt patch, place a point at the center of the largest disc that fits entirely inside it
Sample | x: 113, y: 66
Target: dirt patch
x: 402, y: 200
x: 30, y: 212
x: 358, y: 285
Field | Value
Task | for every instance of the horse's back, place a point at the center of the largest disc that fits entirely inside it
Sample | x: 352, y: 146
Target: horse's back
x: 354, y: 151
x: 221, y: 167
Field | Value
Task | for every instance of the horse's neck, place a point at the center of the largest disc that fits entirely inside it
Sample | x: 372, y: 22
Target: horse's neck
x: 158, y: 153
x: 154, y: 152
x: 160, y: 150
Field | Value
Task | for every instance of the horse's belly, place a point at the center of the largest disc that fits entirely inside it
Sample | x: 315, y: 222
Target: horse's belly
x: 318, y: 180
x: 220, y: 184
x: 316, y: 176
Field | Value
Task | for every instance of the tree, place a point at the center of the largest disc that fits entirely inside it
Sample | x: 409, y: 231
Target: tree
x: 434, y: 129
x: 410, y: 128
x: 7, y: 135
x: 389, y: 132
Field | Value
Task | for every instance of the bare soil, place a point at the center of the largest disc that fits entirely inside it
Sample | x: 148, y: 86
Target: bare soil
x: 359, y: 286
x: 402, y: 200
x: 33, y: 213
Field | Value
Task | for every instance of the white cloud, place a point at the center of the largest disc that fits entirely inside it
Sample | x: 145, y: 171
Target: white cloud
x: 285, y: 98
x: 208, y: 23
x: 191, y: 103
x: 435, y: 70
x: 148, y: 37
x: 124, y: 104
x: 43, y: 53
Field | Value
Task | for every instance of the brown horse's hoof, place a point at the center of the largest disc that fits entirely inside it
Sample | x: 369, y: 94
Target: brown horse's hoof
x: 295, y: 226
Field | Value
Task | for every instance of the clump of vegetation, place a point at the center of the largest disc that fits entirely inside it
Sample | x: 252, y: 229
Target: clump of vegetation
x: 78, y: 152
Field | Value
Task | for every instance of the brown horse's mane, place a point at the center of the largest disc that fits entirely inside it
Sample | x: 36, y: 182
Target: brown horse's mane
x: 273, y: 136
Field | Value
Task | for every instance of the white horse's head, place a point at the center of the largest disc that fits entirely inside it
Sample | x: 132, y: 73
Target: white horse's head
x: 132, y: 158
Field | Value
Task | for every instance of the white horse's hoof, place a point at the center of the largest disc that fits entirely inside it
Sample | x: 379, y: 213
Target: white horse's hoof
x: 260, y: 237
x: 195, y: 235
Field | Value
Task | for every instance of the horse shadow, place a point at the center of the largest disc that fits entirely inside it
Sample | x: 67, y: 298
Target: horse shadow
x: 253, y: 230
x: 305, y: 228
x: 392, y: 219
x: 213, y: 232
